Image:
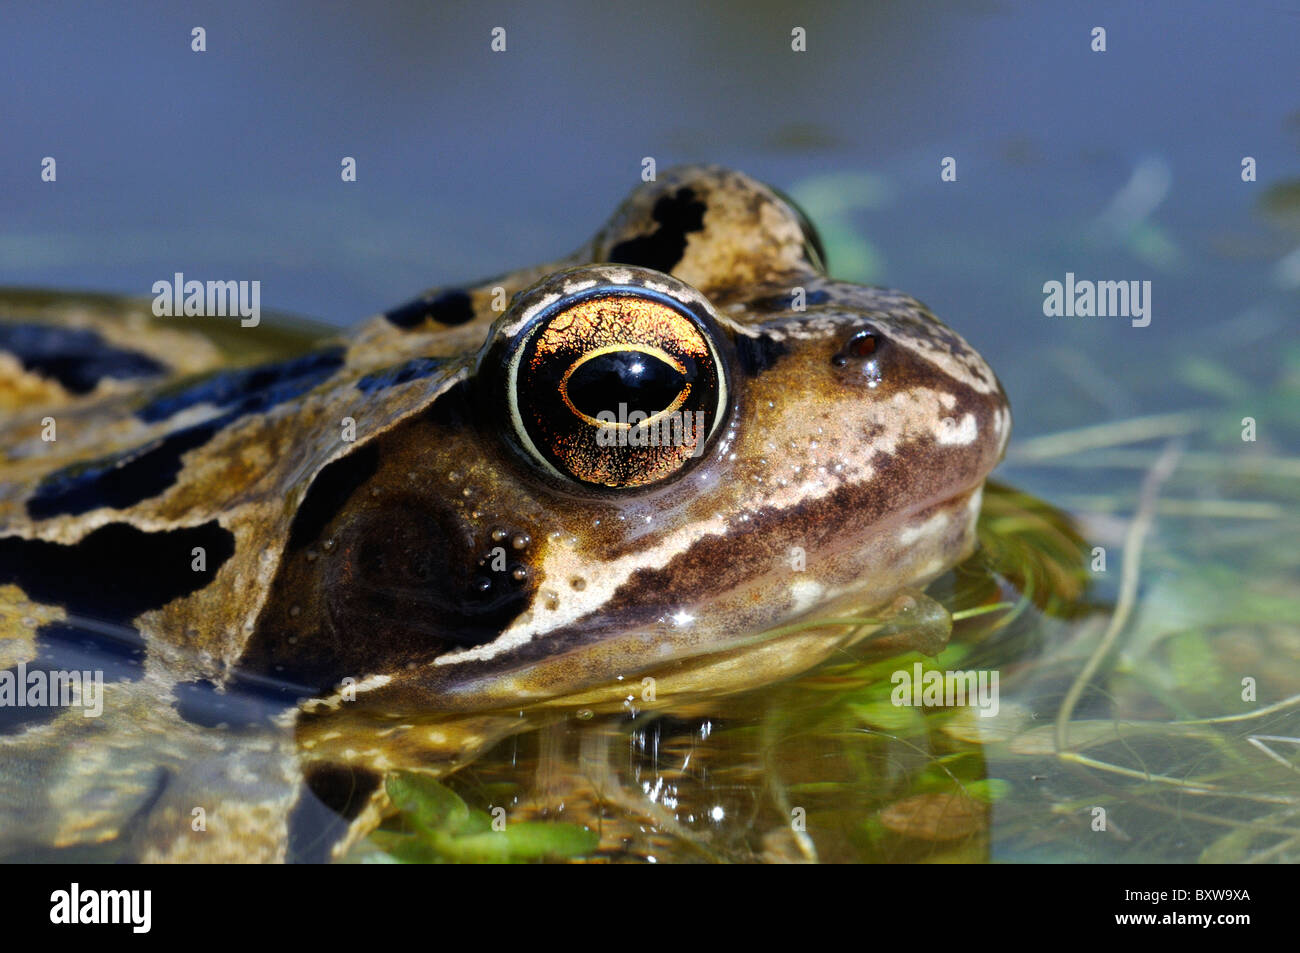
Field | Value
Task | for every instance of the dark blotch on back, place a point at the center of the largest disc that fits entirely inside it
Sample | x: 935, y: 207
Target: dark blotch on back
x: 413, y: 369
x: 119, y: 481
x: 249, y: 389
x: 755, y: 355
x: 117, y: 571
x: 128, y: 478
x: 75, y: 357
x: 677, y: 215
x: 450, y: 308
x: 103, y: 582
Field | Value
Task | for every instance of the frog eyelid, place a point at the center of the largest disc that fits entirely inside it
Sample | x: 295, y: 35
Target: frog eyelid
x: 814, y: 247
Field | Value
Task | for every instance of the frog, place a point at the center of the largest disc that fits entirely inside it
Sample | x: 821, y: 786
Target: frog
x: 674, y: 458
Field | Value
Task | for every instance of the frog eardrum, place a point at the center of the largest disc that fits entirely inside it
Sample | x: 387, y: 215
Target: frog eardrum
x: 614, y: 377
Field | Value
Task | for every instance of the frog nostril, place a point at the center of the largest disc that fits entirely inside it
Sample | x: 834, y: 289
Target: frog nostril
x: 862, y: 345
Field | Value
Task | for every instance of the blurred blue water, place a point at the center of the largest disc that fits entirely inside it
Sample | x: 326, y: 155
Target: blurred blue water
x: 226, y: 163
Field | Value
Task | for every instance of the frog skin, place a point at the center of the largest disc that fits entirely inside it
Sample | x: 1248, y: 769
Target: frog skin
x: 317, y: 567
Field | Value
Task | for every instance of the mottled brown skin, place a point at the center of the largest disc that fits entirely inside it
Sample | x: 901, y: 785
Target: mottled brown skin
x: 360, y: 583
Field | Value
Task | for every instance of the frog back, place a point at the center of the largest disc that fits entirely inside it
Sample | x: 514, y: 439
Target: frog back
x: 150, y: 473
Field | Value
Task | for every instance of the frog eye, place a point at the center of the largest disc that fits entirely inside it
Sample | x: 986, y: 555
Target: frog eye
x: 617, y: 386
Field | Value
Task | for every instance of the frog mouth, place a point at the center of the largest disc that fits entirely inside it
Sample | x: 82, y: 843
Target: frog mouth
x: 909, y: 621
x: 889, y: 610
x: 730, y: 644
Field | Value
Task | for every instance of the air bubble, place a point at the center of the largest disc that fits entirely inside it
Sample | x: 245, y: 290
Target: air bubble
x: 520, y: 540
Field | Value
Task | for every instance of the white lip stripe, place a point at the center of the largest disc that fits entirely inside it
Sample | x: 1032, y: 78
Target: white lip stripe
x: 596, y: 593
x: 914, y: 413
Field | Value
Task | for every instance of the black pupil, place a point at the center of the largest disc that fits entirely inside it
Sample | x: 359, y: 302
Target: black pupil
x: 641, y: 381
